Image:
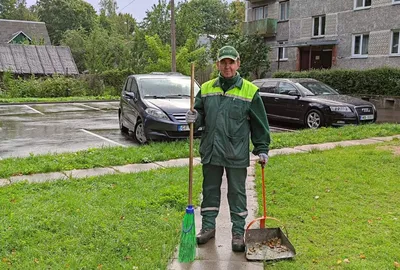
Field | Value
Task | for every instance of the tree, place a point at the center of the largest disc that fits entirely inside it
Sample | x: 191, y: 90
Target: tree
x: 17, y: 10
x: 61, y: 15
x: 7, y: 7
x: 158, y: 56
x: 158, y: 21
x: 237, y: 11
x: 75, y: 40
x: 195, y: 17
x: 109, y: 6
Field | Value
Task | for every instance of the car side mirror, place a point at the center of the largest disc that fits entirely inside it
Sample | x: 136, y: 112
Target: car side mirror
x: 293, y: 93
x: 130, y: 95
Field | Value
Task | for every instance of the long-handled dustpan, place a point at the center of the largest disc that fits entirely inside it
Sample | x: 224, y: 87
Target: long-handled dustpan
x: 266, y: 244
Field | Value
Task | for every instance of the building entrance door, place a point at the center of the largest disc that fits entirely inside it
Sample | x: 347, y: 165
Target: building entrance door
x: 315, y: 57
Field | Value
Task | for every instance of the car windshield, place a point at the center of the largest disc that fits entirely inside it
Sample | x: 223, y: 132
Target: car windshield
x: 317, y: 88
x: 172, y: 87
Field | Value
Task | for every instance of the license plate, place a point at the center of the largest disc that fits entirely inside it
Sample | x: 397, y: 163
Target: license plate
x: 367, y: 117
x: 183, y: 128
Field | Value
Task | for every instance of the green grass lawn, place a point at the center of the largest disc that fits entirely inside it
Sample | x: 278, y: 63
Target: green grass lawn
x: 341, y: 207
x: 111, y: 222
x: 112, y: 156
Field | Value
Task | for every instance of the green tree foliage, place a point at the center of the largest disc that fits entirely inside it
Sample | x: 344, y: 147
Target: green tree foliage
x: 61, y: 15
x: 105, y: 51
x: 195, y: 17
x: 237, y: 11
x: 158, y: 22
x: 158, y: 56
x: 7, y: 7
x: 76, y: 40
x: 109, y: 6
x: 17, y: 10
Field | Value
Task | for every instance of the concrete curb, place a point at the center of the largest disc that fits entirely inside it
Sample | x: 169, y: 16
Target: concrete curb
x: 133, y: 168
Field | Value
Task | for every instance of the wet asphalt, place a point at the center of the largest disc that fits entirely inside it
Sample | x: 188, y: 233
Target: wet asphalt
x: 68, y: 127
x: 54, y: 128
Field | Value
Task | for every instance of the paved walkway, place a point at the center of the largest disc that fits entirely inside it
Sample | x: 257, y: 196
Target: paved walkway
x: 217, y: 253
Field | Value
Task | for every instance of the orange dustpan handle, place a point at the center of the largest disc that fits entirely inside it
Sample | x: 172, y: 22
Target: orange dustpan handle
x: 262, y: 221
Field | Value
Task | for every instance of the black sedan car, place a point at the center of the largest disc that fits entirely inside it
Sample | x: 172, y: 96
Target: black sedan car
x: 153, y: 106
x: 312, y: 103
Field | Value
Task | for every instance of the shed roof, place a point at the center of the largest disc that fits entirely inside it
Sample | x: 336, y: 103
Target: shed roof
x: 34, y: 30
x: 39, y: 60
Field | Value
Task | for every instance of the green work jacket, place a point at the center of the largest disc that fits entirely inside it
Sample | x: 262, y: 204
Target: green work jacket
x: 228, y: 118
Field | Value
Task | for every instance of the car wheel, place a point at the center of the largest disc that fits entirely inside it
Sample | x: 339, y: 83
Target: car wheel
x: 139, y: 134
x: 123, y: 128
x: 314, y: 119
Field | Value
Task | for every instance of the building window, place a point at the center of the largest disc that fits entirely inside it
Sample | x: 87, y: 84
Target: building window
x: 362, y: 4
x: 260, y: 13
x: 284, y: 11
x: 395, y: 44
x: 319, y: 26
x: 282, y: 54
x: 396, y: 1
x: 360, y: 45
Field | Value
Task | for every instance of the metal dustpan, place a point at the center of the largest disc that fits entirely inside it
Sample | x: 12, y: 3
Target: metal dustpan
x: 266, y: 244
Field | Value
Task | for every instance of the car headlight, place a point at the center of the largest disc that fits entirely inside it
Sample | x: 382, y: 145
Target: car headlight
x: 340, y: 109
x: 157, y: 113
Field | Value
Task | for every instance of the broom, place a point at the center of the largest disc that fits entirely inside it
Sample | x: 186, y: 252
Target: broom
x: 187, y: 248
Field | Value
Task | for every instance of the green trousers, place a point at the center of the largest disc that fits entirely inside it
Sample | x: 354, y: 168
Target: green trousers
x: 212, y: 179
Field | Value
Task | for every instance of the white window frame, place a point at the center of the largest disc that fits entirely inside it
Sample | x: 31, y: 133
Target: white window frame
x: 284, y: 54
x: 359, y: 55
x: 396, y: 2
x: 319, y: 26
x: 398, y: 44
x: 363, y: 6
x: 264, y: 10
x: 286, y: 6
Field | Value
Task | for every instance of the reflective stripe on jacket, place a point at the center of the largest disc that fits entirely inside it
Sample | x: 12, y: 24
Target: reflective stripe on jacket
x: 227, y: 119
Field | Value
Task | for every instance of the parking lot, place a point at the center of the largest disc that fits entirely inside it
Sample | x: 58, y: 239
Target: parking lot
x: 43, y: 128
x: 60, y: 127
x: 66, y: 127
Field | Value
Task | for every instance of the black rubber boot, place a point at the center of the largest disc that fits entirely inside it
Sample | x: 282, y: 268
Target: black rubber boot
x: 204, y: 235
x: 238, y: 243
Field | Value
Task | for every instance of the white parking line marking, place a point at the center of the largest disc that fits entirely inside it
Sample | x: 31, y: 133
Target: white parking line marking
x: 34, y: 109
x: 90, y: 107
x: 101, y: 137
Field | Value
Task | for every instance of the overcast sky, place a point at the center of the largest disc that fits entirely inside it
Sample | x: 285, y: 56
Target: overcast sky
x: 137, y: 8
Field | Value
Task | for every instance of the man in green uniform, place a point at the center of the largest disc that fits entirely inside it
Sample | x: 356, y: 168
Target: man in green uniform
x: 230, y: 110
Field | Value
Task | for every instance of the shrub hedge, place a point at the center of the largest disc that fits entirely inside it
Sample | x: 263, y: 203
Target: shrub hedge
x: 107, y: 83
x: 383, y: 81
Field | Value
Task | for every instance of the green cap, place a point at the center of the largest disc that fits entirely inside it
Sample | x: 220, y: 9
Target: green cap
x: 227, y: 52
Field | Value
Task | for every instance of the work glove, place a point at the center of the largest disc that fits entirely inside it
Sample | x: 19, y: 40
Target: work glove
x: 191, y: 116
x: 263, y: 159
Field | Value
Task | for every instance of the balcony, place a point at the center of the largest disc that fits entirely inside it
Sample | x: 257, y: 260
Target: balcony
x: 264, y: 27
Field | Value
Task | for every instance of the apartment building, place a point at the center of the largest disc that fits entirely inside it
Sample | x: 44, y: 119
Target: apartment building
x: 315, y: 34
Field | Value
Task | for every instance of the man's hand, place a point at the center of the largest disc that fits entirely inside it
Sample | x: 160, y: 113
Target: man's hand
x: 191, y: 116
x: 263, y: 159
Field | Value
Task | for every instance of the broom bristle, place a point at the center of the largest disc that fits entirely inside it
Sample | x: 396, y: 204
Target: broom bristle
x: 187, y: 247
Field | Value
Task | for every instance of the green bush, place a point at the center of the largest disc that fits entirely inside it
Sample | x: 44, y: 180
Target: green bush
x: 56, y: 86
x: 380, y: 81
x: 108, y: 83
x: 114, y: 79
